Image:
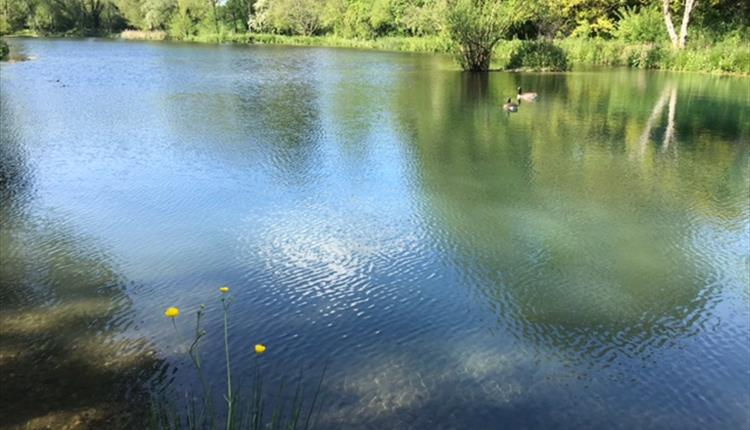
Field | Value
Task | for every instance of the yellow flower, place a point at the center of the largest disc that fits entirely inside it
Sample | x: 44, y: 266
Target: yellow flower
x: 260, y: 349
x: 224, y: 290
x: 171, y: 312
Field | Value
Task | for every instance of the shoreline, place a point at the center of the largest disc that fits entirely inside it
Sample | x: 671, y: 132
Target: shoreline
x: 580, y: 52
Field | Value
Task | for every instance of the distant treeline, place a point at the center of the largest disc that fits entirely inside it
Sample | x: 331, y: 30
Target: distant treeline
x: 474, y: 27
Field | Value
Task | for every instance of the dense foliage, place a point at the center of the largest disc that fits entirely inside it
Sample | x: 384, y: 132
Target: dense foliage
x: 537, y: 55
x: 472, y: 28
x: 4, y: 50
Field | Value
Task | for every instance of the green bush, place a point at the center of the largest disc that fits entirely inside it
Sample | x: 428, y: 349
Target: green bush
x: 4, y: 50
x: 646, y: 25
x: 645, y: 56
x: 538, y: 55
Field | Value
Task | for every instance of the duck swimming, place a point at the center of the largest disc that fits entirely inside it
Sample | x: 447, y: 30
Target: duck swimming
x: 529, y: 97
x: 510, y: 106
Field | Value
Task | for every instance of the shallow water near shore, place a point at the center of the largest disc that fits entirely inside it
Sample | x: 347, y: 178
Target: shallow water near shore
x: 583, y: 263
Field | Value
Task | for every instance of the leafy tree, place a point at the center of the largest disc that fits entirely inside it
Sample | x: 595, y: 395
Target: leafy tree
x: 303, y: 15
x: 188, y: 14
x: 157, y: 13
x: 548, y: 17
x: 640, y: 26
x: 131, y: 11
x: 259, y: 20
x: 43, y: 19
x: 355, y: 20
x: 238, y: 14
x: 381, y: 17
x: 212, y: 15
x: 14, y: 14
x: 420, y: 18
x: 288, y: 16
x: 476, y: 26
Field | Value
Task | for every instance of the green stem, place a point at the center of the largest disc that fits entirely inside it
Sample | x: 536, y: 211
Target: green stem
x: 229, y: 375
x: 195, y: 357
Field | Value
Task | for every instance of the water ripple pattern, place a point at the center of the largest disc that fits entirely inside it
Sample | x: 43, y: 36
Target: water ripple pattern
x: 583, y: 263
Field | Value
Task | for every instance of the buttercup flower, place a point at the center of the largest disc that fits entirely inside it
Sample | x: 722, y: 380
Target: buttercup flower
x: 171, y: 312
x: 260, y: 349
x: 224, y: 290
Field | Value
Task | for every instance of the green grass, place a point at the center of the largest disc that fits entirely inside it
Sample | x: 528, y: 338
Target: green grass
x: 389, y: 43
x: 730, y: 56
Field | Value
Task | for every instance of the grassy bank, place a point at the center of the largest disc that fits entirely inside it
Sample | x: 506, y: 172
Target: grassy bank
x: 728, y: 56
x: 731, y: 56
x: 390, y: 43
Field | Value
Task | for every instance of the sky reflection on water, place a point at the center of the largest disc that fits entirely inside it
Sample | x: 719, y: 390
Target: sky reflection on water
x: 583, y: 263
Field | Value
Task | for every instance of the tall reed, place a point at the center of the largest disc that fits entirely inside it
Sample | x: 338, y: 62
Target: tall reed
x: 240, y: 413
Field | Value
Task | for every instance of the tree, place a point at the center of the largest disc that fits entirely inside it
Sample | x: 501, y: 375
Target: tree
x: 188, y: 14
x: 304, y: 15
x: 421, y: 18
x: 476, y: 26
x: 678, y: 41
x: 287, y: 16
x: 14, y: 13
x: 238, y: 11
x: 157, y: 13
x: 214, y: 15
x: 131, y: 11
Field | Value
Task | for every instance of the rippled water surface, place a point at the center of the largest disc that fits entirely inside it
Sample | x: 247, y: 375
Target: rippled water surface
x: 582, y: 263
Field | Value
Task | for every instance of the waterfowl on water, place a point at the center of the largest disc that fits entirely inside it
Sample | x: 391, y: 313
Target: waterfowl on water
x: 530, y: 97
x: 510, y: 106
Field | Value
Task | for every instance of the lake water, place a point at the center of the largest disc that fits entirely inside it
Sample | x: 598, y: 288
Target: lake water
x: 583, y: 263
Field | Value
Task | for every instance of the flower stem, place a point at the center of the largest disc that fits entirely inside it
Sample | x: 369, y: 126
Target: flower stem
x: 225, y: 305
x: 195, y: 357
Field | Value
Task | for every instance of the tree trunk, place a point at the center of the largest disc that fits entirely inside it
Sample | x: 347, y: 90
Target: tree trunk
x: 668, y: 21
x: 670, y: 132
x: 678, y: 41
x: 212, y: 3
x: 689, y: 5
x: 476, y: 57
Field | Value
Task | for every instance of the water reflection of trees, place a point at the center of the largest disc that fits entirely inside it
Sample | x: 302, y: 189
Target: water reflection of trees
x: 63, y: 360
x: 574, y: 244
x: 264, y: 114
x: 668, y: 96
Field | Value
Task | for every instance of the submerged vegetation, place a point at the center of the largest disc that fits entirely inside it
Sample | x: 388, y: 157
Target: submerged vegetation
x: 240, y: 413
x: 553, y: 34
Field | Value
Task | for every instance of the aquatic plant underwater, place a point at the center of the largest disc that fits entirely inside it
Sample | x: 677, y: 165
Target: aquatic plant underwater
x: 240, y: 413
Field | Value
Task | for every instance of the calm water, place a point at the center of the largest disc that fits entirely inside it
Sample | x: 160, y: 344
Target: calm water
x: 583, y: 263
